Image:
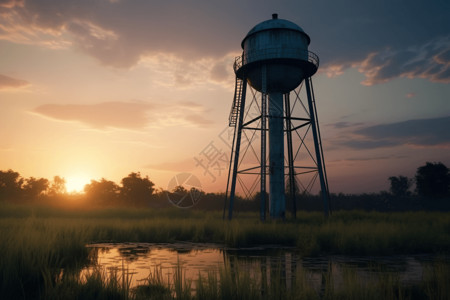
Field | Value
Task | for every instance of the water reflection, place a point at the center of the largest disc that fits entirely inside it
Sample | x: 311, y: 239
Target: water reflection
x: 270, y: 263
x: 133, y: 252
x: 140, y: 258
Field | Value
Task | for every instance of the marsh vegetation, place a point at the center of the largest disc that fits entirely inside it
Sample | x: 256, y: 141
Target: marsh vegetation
x: 43, y: 250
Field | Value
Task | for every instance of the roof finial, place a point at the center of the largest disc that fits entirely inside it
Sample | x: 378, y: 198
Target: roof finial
x: 274, y: 16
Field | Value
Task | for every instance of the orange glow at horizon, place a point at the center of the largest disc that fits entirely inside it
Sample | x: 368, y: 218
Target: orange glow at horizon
x: 75, y: 183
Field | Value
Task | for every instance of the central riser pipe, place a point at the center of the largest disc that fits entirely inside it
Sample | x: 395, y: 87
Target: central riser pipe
x: 277, y: 198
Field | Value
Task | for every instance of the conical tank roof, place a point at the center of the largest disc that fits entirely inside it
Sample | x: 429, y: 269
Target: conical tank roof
x: 274, y: 23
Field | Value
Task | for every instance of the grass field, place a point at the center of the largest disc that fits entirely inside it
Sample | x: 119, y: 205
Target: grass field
x: 36, y: 243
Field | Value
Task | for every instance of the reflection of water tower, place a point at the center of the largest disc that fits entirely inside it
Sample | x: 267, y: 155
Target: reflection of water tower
x: 275, y: 61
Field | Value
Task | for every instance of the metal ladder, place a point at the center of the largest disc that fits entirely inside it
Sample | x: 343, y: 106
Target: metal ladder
x: 235, y: 108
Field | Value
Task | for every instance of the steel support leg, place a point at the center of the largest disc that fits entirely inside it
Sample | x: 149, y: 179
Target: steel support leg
x: 262, y: 205
x: 291, y: 174
x: 319, y: 156
x: 237, y: 149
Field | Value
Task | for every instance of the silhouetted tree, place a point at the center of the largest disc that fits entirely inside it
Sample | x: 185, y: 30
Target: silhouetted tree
x: 102, y: 192
x: 400, y: 185
x: 179, y: 189
x: 10, y: 184
x: 58, y: 186
x: 433, y: 180
x: 196, y: 193
x: 136, y: 190
x: 179, y: 196
x: 33, y: 188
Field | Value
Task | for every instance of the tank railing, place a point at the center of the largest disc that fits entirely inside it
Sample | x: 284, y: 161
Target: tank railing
x: 273, y: 53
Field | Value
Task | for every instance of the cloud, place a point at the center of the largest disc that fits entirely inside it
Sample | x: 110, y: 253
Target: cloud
x: 9, y: 82
x: 191, y: 105
x: 365, y: 159
x: 198, y: 119
x: 430, y: 61
x: 173, y: 71
x: 100, y: 116
x: 126, y: 115
x: 221, y: 71
x: 343, y: 124
x: 11, y: 3
x: 369, y: 144
x: 383, y: 39
x: 120, y: 33
x: 418, y: 132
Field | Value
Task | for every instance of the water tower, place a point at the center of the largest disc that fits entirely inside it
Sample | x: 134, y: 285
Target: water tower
x: 274, y: 62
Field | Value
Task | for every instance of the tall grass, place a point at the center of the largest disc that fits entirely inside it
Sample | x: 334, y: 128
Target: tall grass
x: 351, y: 233
x: 232, y: 283
x: 97, y: 284
x: 228, y: 283
x: 41, y: 246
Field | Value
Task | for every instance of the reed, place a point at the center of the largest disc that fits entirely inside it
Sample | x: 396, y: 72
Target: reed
x: 155, y: 287
x: 359, y: 233
x: 95, y: 284
x: 232, y: 283
x: 39, y: 246
x: 436, y: 278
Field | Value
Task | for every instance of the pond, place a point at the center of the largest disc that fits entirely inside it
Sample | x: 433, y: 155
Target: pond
x: 139, y: 259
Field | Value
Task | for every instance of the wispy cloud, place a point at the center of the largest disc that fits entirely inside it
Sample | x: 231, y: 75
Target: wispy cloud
x: 366, y: 159
x: 174, y: 71
x: 120, y: 33
x: 7, y: 82
x: 100, y: 116
x: 365, y: 143
x: 344, y: 124
x: 384, y: 40
x: 11, y: 3
x: 418, y: 132
x: 126, y: 115
x: 431, y: 61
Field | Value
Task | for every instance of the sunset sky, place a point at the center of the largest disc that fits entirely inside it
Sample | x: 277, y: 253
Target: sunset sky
x: 99, y: 89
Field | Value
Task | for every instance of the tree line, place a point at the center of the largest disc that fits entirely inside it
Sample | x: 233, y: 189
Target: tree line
x: 432, y: 183
x: 431, y: 192
x: 432, y: 180
x: 134, y: 189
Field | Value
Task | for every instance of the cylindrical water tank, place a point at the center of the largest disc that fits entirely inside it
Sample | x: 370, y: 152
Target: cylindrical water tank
x: 282, y: 47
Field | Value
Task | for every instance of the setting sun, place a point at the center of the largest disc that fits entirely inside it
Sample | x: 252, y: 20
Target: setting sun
x: 76, y: 183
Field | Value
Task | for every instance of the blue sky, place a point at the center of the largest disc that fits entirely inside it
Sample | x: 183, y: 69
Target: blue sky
x: 92, y: 89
